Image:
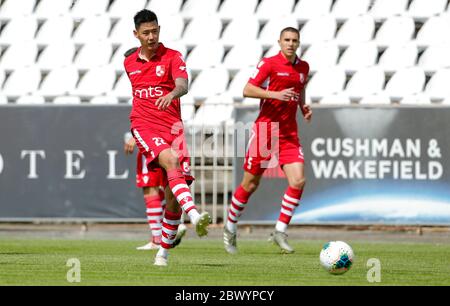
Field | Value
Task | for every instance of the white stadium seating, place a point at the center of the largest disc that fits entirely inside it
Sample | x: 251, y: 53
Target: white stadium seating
x: 345, y: 9
x: 232, y: 9
x: 307, y: 9
x: 360, y: 52
x: 52, y: 8
x: 364, y: 82
x: 270, y: 9
x: 398, y: 56
x: 322, y: 55
x: 358, y: 56
x: 384, y: 9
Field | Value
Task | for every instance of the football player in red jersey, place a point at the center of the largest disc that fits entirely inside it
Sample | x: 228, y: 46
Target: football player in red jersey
x: 158, y: 79
x: 154, y: 197
x: 279, y: 82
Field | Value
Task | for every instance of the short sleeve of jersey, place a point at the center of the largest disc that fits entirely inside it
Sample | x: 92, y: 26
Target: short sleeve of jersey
x: 261, y: 74
x: 179, y: 67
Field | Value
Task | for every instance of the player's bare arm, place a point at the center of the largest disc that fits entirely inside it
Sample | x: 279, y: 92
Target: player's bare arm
x: 252, y: 91
x: 306, y: 109
x: 181, y: 88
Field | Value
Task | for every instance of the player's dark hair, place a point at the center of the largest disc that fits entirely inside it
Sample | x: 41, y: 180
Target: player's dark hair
x: 290, y: 29
x: 144, y: 16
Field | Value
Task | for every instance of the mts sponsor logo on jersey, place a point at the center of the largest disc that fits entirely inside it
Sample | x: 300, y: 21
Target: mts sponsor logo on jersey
x: 151, y: 92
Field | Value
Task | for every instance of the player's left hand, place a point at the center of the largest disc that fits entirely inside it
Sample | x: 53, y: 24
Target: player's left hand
x: 307, y: 112
x: 164, y: 102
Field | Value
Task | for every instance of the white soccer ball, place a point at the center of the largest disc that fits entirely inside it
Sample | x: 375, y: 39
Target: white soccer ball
x: 336, y: 257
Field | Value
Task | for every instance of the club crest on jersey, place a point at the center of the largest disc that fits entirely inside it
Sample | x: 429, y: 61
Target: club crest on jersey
x: 160, y: 70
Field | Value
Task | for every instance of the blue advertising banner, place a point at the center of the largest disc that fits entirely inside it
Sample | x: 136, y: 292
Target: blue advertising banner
x: 364, y: 166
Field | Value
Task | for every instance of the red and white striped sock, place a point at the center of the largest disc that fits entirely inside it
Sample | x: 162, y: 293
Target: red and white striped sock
x: 169, y: 229
x: 291, y: 201
x: 182, y: 193
x: 238, y: 202
x: 154, y: 216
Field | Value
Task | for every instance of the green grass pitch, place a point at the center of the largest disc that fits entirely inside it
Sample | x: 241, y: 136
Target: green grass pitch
x: 204, y: 262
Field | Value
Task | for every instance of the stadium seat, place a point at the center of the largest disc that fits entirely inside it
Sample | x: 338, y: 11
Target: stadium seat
x: 355, y: 30
x: 51, y: 8
x: 92, y: 29
x: 366, y: 81
x: 202, y: 29
x: 384, y: 9
x: 187, y: 99
x: 210, y: 82
x: 270, y: 33
x: 335, y: 99
x: 88, y: 8
x: 438, y: 86
x: 234, y: 35
x: 176, y: 45
x: 119, y: 57
x: 232, y: 9
x: 398, y: 56
x: 243, y: 55
x: 358, y: 56
x: 405, y: 82
x: 213, y: 115
x: 172, y: 27
x: 165, y: 7
x: 395, y: 30
x: 421, y: 10
x: 59, y: 27
x: 380, y: 98
x: 205, y: 55
x: 326, y: 82
x: 96, y: 82
x: 104, y: 100
x: 251, y: 102
x: 122, y: 33
x: 435, y: 57
x: 321, y: 55
x: 19, y: 55
x: 59, y: 82
x: 269, y: 9
x: 199, y: 8
x: 2, y: 76
x: 3, y: 100
x: 57, y: 55
x: 126, y: 9
x: 94, y: 54
x: 416, y: 99
x: 30, y: 100
x: 187, y: 112
x: 318, y: 29
x: 22, y: 81
x: 446, y: 101
x: 344, y: 9
x: 238, y: 83
x: 67, y: 100
x: 26, y: 26
x: 122, y: 89
x: 436, y: 30
x: 12, y: 9
x: 307, y: 9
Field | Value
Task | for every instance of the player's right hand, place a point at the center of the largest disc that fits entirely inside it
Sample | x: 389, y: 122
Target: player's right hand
x: 286, y: 95
x: 129, y: 146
